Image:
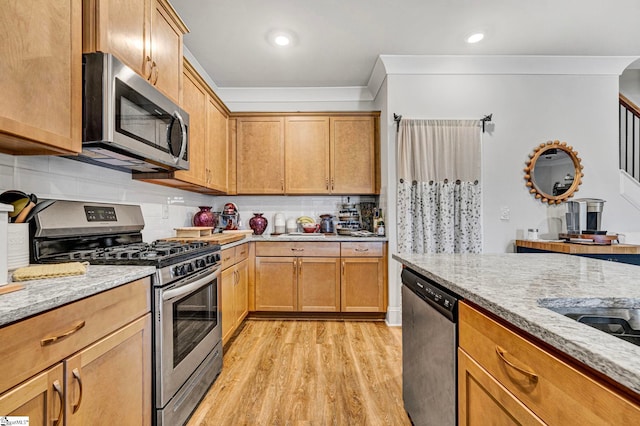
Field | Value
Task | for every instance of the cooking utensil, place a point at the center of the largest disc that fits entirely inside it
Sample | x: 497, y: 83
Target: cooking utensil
x: 22, y: 216
x: 19, y: 200
x: 38, y: 208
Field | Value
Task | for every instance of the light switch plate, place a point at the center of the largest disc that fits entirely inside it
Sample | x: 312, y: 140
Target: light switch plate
x: 505, y: 213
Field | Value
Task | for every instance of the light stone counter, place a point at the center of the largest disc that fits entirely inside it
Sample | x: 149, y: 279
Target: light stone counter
x: 517, y: 287
x: 289, y: 237
x: 42, y: 295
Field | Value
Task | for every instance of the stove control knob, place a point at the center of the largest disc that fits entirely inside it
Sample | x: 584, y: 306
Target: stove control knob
x: 178, y: 270
x: 200, y: 263
x: 210, y: 259
x: 189, y: 267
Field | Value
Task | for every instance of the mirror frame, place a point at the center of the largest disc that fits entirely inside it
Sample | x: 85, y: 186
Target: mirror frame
x: 531, y: 164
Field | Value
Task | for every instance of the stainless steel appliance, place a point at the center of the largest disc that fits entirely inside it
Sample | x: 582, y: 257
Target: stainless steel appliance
x: 584, y: 215
x: 127, y: 123
x: 187, y: 334
x: 429, y: 343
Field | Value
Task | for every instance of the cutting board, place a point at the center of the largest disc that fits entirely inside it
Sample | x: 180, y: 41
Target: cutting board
x: 183, y: 234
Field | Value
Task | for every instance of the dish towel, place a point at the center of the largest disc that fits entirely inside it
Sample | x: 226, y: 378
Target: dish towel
x: 38, y: 272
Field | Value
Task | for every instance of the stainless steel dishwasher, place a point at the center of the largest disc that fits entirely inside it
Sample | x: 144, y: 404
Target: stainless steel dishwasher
x: 429, y: 347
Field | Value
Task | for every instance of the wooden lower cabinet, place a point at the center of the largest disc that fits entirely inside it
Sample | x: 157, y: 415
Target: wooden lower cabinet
x: 234, y: 289
x: 40, y: 398
x: 320, y: 277
x: 318, y: 284
x: 87, y: 362
x: 481, y: 397
x: 111, y: 380
x: 505, y: 377
x: 276, y: 283
x: 363, y: 284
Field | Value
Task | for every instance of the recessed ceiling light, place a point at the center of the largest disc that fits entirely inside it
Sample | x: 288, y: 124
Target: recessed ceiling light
x: 281, y: 38
x: 474, y: 38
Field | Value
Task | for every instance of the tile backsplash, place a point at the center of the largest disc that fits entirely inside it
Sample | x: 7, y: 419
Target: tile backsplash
x: 163, y: 208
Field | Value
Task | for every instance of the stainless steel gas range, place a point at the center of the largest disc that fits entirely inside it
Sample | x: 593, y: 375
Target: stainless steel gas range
x: 187, y: 334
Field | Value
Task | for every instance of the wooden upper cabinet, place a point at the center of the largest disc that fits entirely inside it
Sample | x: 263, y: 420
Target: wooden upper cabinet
x: 166, y: 49
x: 194, y: 102
x: 217, y: 146
x: 353, y: 155
x: 144, y: 34
x: 260, y: 155
x: 323, y: 154
x: 41, y: 77
x: 306, y: 155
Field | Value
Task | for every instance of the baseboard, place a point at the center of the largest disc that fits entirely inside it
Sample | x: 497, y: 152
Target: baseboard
x: 394, y: 316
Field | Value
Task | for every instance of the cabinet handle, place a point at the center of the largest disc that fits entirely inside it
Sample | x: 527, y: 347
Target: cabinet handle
x: 155, y: 73
x: 58, y: 390
x: 282, y: 184
x: 299, y: 268
x: 327, y: 183
x: 296, y: 249
x: 76, y: 375
x: 343, y: 262
x: 533, y: 377
x: 226, y: 259
x: 295, y: 268
x: 147, y: 66
x: 332, y: 183
x: 362, y: 249
x: 50, y: 340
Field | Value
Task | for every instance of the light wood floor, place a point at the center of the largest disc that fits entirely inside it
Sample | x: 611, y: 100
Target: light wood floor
x: 308, y: 373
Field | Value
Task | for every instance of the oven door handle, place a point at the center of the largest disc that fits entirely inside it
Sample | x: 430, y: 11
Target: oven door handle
x: 189, y: 288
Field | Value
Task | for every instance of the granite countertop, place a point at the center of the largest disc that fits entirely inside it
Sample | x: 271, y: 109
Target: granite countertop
x: 520, y: 287
x: 289, y: 237
x: 42, y: 295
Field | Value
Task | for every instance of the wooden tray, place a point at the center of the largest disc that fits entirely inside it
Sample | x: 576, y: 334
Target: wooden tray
x: 194, y: 231
x: 596, y: 238
x: 213, y: 238
x: 238, y: 231
x: 8, y: 288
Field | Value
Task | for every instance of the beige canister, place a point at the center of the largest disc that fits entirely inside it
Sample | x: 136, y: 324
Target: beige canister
x: 17, y: 245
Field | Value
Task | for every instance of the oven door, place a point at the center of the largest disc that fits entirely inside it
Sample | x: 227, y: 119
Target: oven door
x: 187, y: 324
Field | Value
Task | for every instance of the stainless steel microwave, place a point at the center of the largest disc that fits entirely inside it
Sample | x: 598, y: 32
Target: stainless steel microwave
x: 127, y: 123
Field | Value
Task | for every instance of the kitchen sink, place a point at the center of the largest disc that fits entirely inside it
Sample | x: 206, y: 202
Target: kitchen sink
x: 623, y: 323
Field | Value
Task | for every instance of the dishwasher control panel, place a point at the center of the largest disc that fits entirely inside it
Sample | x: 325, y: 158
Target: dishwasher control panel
x: 429, y: 291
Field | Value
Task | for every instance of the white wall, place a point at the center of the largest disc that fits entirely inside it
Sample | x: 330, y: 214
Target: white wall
x: 630, y: 85
x: 527, y: 110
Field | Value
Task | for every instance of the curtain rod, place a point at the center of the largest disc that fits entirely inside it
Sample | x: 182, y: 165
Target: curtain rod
x: 398, y: 117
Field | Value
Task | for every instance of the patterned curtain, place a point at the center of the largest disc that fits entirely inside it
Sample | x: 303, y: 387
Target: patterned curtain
x: 439, y: 191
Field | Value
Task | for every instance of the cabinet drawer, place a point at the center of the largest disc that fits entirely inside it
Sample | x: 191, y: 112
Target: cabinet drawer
x: 356, y: 249
x: 557, y: 392
x: 25, y: 349
x: 234, y: 255
x: 300, y: 249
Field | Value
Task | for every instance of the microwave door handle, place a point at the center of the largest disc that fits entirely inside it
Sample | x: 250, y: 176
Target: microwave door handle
x: 183, y: 146
x: 189, y: 288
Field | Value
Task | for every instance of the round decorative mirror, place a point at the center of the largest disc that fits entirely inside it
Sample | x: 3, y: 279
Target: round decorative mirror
x: 553, y: 172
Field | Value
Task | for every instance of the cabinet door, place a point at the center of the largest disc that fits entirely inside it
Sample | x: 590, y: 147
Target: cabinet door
x: 227, y: 286
x: 110, y: 381
x: 194, y: 102
x: 363, y: 285
x: 39, y: 398
x: 166, y: 50
x: 241, y: 292
x: 319, y: 284
x: 217, y: 146
x: 353, y: 166
x: 260, y: 155
x: 276, y: 283
x: 307, y: 155
x: 120, y: 27
x: 482, y: 400
x: 41, y: 77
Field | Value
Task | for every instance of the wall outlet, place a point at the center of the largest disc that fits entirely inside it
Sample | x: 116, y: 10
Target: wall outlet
x: 165, y: 211
x: 505, y: 213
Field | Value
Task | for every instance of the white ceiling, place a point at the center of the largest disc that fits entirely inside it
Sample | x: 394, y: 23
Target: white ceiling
x: 338, y: 41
